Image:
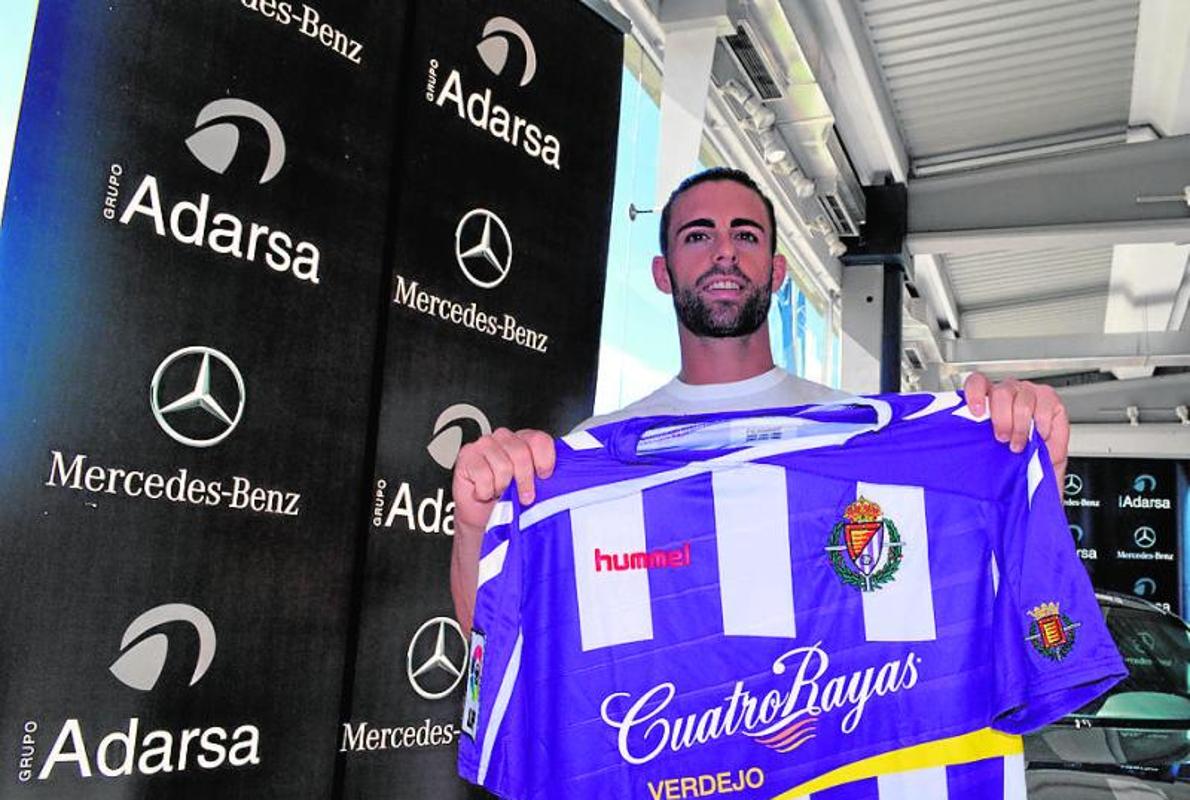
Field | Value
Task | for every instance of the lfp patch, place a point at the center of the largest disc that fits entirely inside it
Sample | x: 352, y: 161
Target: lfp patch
x: 474, y: 676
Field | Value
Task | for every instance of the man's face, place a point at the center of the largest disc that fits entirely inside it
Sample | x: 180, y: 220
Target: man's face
x: 720, y: 269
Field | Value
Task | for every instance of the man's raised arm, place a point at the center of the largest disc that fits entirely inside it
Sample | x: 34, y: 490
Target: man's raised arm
x: 483, y: 470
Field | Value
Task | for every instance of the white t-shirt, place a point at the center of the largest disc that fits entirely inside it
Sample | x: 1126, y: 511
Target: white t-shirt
x: 772, y: 389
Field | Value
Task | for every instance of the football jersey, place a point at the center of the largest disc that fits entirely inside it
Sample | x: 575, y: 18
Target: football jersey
x: 854, y: 601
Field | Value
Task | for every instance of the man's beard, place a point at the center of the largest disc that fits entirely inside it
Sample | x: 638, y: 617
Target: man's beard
x: 722, y: 320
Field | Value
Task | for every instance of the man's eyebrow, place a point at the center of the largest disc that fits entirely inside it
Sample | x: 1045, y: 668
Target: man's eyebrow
x: 701, y: 222
x: 744, y: 222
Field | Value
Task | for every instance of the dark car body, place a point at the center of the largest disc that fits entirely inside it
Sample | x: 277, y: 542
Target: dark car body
x: 1133, y: 743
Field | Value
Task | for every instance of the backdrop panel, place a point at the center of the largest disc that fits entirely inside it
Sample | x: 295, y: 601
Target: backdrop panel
x: 1125, y: 516
x: 510, y: 119
x: 192, y: 265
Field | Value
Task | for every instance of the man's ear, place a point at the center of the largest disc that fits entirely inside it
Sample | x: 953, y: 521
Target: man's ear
x: 661, y: 275
x: 780, y: 268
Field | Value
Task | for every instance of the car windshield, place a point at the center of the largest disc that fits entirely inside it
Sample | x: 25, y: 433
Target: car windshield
x: 1156, y: 649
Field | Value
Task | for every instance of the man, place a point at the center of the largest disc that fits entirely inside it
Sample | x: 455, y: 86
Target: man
x: 719, y: 262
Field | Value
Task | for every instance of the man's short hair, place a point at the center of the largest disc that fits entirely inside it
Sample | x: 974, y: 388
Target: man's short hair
x: 708, y: 176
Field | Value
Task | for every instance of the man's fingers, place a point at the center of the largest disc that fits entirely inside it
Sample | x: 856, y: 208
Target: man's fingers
x: 1000, y: 401
x: 1023, y: 406
x: 1058, y: 442
x: 500, y: 465
x: 975, y: 388
x: 541, y: 445
x: 520, y: 459
x: 473, y: 468
x: 1048, y: 406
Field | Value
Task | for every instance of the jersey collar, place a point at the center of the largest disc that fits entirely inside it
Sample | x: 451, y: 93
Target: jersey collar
x: 727, y: 438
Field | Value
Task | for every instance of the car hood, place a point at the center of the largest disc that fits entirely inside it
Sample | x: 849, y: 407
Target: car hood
x: 1123, y: 747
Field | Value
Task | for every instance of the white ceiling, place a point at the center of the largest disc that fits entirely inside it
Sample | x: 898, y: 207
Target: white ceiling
x: 965, y: 74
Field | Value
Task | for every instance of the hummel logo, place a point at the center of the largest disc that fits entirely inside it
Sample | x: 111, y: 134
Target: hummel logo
x: 654, y: 559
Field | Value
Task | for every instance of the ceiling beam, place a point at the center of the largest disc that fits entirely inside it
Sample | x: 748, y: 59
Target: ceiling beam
x: 1085, y: 195
x: 1069, y: 352
x: 961, y: 242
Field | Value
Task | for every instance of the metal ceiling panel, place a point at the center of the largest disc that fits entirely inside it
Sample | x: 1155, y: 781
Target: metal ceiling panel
x: 1046, y: 318
x: 964, y: 74
x: 1031, y: 293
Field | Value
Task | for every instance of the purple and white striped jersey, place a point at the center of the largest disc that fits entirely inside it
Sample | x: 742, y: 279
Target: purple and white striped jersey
x: 850, y: 601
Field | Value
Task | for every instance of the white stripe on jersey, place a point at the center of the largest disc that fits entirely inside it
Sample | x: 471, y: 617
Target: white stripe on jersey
x: 581, y: 440
x: 501, y: 515
x: 903, y: 610
x: 492, y: 564
x: 943, y: 401
x: 499, y: 707
x: 614, y: 607
x: 1014, y: 777
x: 752, y: 539
x: 964, y: 411
x: 1035, y: 473
x: 995, y: 575
x: 919, y: 783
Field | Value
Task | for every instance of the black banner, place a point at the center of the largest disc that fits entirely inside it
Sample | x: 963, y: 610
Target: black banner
x: 1125, y: 517
x: 498, y: 269
x: 192, y: 264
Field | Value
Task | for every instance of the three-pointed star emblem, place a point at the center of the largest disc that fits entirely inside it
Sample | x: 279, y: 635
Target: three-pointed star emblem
x: 448, y: 641
x: 1072, y: 485
x: 199, y: 397
x: 483, y: 248
x: 1145, y: 537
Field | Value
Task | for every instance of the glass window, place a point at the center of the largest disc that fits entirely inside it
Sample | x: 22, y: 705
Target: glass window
x: 639, y: 343
x: 16, y: 31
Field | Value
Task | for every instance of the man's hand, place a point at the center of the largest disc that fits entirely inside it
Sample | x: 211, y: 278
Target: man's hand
x: 483, y: 470
x: 1014, y: 404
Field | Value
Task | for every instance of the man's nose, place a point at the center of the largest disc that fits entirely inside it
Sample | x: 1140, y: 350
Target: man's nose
x: 725, y: 251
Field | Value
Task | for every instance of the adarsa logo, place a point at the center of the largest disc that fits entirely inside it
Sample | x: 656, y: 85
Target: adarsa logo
x: 477, y: 106
x: 782, y: 720
x: 200, y: 222
x: 127, y: 751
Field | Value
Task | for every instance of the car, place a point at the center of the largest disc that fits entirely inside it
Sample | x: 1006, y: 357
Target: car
x: 1133, y: 742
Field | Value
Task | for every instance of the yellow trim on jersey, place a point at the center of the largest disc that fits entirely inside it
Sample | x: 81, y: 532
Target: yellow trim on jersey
x: 981, y: 744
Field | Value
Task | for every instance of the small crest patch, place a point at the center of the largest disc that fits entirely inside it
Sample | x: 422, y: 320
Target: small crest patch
x: 474, y: 676
x: 865, y: 547
x: 1051, y: 632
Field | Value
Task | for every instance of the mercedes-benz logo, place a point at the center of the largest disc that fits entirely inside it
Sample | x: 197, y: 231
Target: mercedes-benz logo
x: 483, y: 248
x: 200, y: 397
x: 440, y: 659
x: 1077, y: 532
x: 1073, y: 484
x: 1145, y: 537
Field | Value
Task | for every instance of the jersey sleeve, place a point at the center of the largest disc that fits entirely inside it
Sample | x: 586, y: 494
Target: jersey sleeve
x: 490, y: 707
x: 1053, y: 650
